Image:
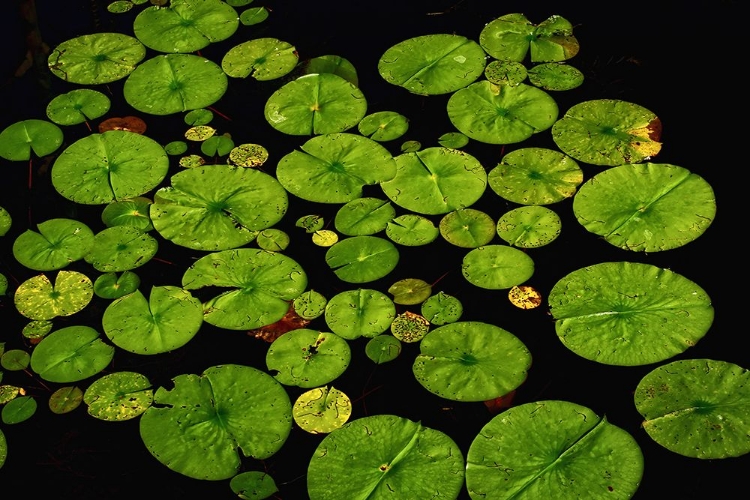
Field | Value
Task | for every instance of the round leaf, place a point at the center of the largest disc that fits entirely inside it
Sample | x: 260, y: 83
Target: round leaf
x: 71, y: 354
x: 112, y: 286
x: 253, y: 485
x: 359, y: 313
x: 512, y: 37
x: 497, y: 267
x: 383, y: 348
x: 529, y: 227
x: 96, y: 58
x: 308, y: 358
x: 77, y: 106
x: 262, y: 59
x: 17, y: 141
x: 322, y: 410
x: 364, y: 216
x: 119, y: 396
x: 58, y: 243
x: 383, y: 126
x: 65, y: 399
x: 362, y: 259
x: 467, y: 228
x: 411, y: 230
x: 441, y: 309
x: 121, y: 248
x: 37, y: 299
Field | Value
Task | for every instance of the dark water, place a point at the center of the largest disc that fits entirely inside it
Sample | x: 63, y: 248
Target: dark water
x: 680, y: 62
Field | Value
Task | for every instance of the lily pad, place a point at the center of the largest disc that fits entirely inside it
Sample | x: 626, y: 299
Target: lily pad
x: 649, y: 207
x: 535, y: 176
x: 697, y: 408
x: 260, y: 286
x: 112, y: 166
x: 119, y: 396
x: 19, y: 140
x: 364, y: 216
x: 96, y: 59
x: 169, y: 319
x: 198, y: 428
x: 308, y: 358
x: 359, y: 313
x: 333, y: 168
x: 262, y: 59
x: 412, y: 230
x: 217, y: 207
x: 383, y: 348
x: 441, y: 309
x: 58, y: 243
x: 505, y: 72
x: 361, y: 259
x: 19, y: 410
x: 65, y: 400
x: 385, y: 456
x: 322, y: 410
x: 273, y: 240
x: 501, y: 114
x: 513, y: 37
x: 132, y: 212
x: 174, y: 83
x: 111, y: 286
x: 409, y: 327
x: 471, y: 361
x: 185, y: 25
x: 77, y: 106
x: 71, y: 354
x: 552, y: 449
x: 253, y: 485
x: 383, y: 126
x: 310, y: 305
x: 410, y: 291
x: 121, y: 248
x: 555, y: 76
x: 608, y: 132
x: 436, y: 180
x: 455, y: 140
x: 529, y: 227
x: 433, y: 64
x: 467, y: 228
x: 318, y: 103
x: 37, y: 299
x: 629, y: 314
x: 497, y: 267
x: 330, y: 63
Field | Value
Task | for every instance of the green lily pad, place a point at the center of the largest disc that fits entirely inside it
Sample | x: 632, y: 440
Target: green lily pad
x: 385, y: 456
x: 185, y: 25
x: 383, y: 126
x: 218, y: 145
x: 455, y: 140
x: 608, y: 132
x: 308, y: 358
x: 253, y: 485
x: 20, y: 139
x: 217, y: 207
x: 333, y: 168
x: 273, y: 240
x: 629, y: 314
x: 383, y: 348
x: 111, y: 286
x: 330, y: 63
x: 58, y: 243
x: 505, y: 72
x: 253, y: 16
x: 359, y: 313
x: 410, y: 291
x: 121, y: 248
x: 174, y: 83
x: 411, y: 230
x: 432, y: 64
x: 409, y: 327
x: 361, y: 259
x: 441, y: 309
x: 19, y: 410
x: 6, y: 221
x: 467, y: 228
x: 262, y: 59
x: 37, y: 299
x: 512, y: 37
x: 501, y: 114
x: 132, y: 212
x: 3, y: 449
x: 310, y: 305
x: 648, y: 207
x: 36, y: 329
x: 166, y: 321
x: 697, y: 408
x: 198, y: 427
x: 260, y: 286
x: 471, y: 361
x: 553, y: 449
x: 248, y: 155
x: 65, y: 400
x: 112, y: 166
x: 15, y: 360
x: 555, y: 76
x: 322, y: 410
x: 119, y: 396
x: 77, y: 106
x: 497, y: 267
x: 175, y: 148
x: 364, y: 216
x: 436, y: 181
x: 535, y: 176
x: 529, y: 227
x: 318, y: 103
x: 71, y: 354
x: 96, y: 59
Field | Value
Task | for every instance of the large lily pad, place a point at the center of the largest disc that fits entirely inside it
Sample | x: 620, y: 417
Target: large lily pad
x: 322, y: 103
x: 535, y: 176
x: 199, y: 427
x: 471, y: 361
x: 96, y: 58
x: 19, y: 140
x: 501, y: 114
x: 261, y: 285
x: 436, y: 180
x: 166, y: 321
x: 433, y: 64
x: 58, y: 243
x: 629, y: 314
x: 217, y: 207
x: 333, y: 168
x: 185, y: 25
x: 174, y: 83
x: 308, y: 358
x: 512, y: 37
x: 552, y: 449
x: 647, y: 207
x: 608, y: 132
x: 697, y: 408
x: 71, y: 354
x: 38, y: 299
x: 107, y: 167
x: 385, y: 456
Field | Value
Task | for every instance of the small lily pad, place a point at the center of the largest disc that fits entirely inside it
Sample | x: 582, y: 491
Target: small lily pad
x: 253, y: 485
x: 71, y: 354
x: 467, y: 228
x: 119, y: 396
x: 410, y: 291
x: 322, y: 410
x: 77, y: 106
x: 412, y: 230
x: 529, y: 227
x: 441, y: 309
x: 497, y: 267
x: 111, y: 286
x: 58, y: 243
x: 556, y: 76
x: 19, y: 140
x: 308, y: 358
x: 121, y: 248
x: 364, y: 216
x: 361, y: 259
x: 37, y: 299
x: 409, y: 327
x: 262, y: 59
x: 383, y: 348
x: 383, y: 126
x: 65, y: 399
x: 513, y: 37
x: 359, y: 313
x: 133, y: 212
